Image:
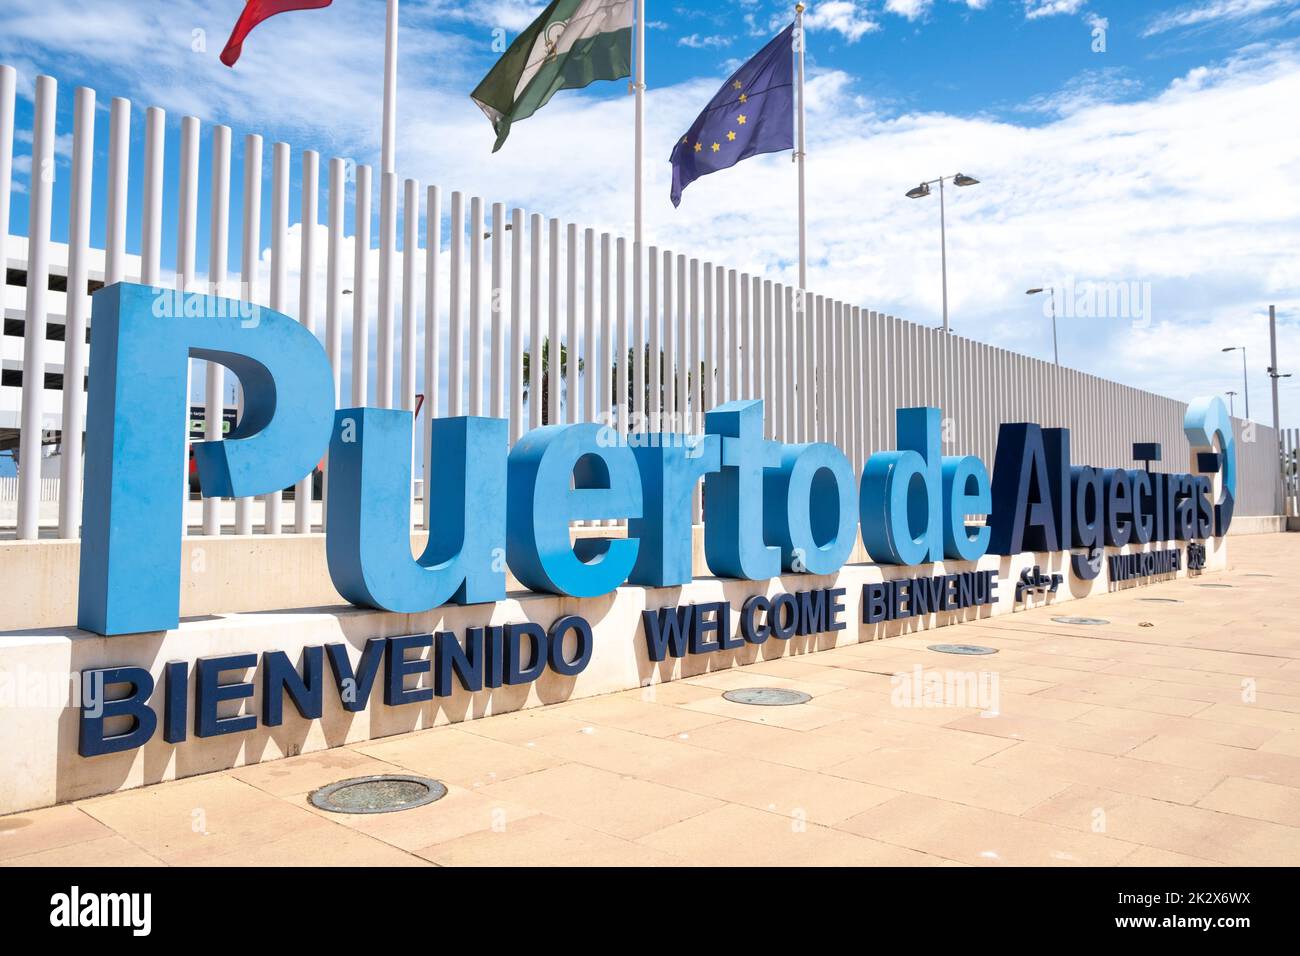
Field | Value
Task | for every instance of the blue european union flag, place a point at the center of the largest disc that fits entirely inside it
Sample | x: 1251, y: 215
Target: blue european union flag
x: 753, y: 113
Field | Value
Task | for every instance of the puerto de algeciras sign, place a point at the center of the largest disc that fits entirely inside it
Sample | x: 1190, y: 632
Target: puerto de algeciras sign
x: 769, y: 509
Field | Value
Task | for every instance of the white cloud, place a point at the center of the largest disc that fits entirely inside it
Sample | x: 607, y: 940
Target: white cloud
x: 696, y: 42
x: 849, y: 18
x: 911, y: 9
x: 1088, y: 88
x: 1034, y: 9
x: 1212, y: 12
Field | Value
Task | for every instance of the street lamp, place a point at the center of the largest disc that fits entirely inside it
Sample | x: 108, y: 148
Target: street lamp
x: 1232, y: 413
x: 1056, y: 352
x: 920, y: 192
x: 1245, y: 381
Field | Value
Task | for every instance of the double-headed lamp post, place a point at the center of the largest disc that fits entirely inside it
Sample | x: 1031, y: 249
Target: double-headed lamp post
x: 1245, y: 380
x: 1232, y: 411
x: 920, y: 192
x: 1056, y: 351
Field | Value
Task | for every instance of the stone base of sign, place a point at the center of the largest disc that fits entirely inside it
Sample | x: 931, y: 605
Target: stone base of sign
x: 39, y: 668
x: 233, y: 573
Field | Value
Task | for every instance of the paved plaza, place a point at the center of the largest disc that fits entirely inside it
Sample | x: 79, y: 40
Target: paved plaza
x: 1170, y: 735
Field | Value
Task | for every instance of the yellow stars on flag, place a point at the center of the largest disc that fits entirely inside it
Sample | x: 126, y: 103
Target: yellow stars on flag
x: 744, y: 98
x: 731, y: 134
x: 698, y: 147
x: 742, y: 119
x: 737, y: 85
x: 716, y: 147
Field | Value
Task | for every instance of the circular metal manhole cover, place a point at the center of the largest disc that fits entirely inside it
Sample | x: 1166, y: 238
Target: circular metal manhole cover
x: 974, y: 649
x: 1080, y: 620
x: 767, y: 696
x: 1161, y: 600
x: 381, y: 794
x: 1214, y: 585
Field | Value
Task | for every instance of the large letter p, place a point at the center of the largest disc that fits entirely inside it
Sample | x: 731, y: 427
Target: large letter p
x: 137, y: 410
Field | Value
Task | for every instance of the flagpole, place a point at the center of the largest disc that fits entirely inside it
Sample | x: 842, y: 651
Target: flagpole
x: 638, y: 86
x: 800, y: 155
x: 390, y: 90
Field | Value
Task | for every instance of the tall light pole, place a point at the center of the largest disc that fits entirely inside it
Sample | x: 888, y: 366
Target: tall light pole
x: 1232, y: 409
x: 1056, y: 351
x: 1245, y: 380
x: 920, y: 192
x: 1273, y: 373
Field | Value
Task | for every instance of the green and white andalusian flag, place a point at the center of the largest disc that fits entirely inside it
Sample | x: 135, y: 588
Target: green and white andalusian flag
x: 573, y: 43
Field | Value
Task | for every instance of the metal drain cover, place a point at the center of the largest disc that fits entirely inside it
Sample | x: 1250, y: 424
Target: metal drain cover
x: 382, y: 794
x: 1080, y: 620
x: 767, y: 696
x: 1214, y: 585
x: 1161, y: 600
x: 973, y: 649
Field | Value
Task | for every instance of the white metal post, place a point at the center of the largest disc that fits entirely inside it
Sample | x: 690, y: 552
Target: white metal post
x: 218, y: 262
x: 302, y: 494
x: 74, y: 338
x: 250, y: 257
x: 38, y: 281
x: 389, y: 154
x: 360, y: 284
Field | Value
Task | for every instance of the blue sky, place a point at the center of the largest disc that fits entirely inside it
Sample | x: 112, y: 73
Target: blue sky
x: 1165, y: 160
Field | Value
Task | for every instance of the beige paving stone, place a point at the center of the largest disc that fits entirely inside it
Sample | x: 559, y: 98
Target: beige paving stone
x: 111, y: 850
x: 520, y: 727
x: 1038, y: 705
x: 311, y: 771
x: 739, y: 677
x: 1254, y: 715
x: 1122, y: 698
x: 772, y: 839
x: 1232, y: 735
x: 1194, y: 831
x: 1151, y: 856
x: 197, y: 820
x: 620, y: 751
x: 459, y: 813
x: 968, y: 784
x: 1046, y: 731
x: 793, y: 717
x: 638, y: 716
x: 982, y: 837
x: 819, y: 797
x: 1282, y: 744
x: 456, y: 756
x: 542, y: 840
x: 618, y: 805
x: 924, y: 741
x: 883, y: 704
x: 1160, y: 781
x: 1282, y: 769
x: 669, y: 692
x: 319, y: 846
x: 792, y: 748
x: 1256, y: 799
x: 38, y: 830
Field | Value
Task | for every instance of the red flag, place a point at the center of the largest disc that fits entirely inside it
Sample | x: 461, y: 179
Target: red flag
x: 254, y: 13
